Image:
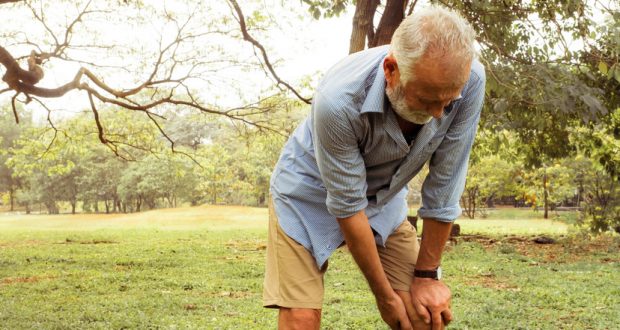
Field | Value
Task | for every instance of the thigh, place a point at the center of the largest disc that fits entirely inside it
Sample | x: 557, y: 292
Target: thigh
x: 399, y: 256
x: 292, y: 278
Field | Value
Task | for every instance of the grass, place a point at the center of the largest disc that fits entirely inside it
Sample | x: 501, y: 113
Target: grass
x: 186, y: 218
x: 202, y: 268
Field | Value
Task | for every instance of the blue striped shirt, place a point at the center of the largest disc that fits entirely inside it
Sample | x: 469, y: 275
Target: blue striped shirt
x: 350, y: 155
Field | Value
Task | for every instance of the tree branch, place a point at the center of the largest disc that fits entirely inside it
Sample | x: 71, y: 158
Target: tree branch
x: 247, y: 37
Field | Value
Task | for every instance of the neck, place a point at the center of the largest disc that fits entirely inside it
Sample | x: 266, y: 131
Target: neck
x: 406, y: 127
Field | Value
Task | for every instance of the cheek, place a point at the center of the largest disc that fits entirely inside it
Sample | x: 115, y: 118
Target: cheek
x: 413, y: 103
x: 409, y: 100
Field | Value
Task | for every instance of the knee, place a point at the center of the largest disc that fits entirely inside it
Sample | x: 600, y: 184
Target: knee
x: 299, y: 318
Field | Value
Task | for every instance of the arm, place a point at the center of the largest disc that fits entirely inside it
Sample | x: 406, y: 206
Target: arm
x: 436, y: 234
x: 361, y: 243
x: 431, y: 298
x: 441, y: 193
x: 343, y: 173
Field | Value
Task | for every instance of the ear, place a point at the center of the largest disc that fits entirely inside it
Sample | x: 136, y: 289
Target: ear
x: 390, y: 69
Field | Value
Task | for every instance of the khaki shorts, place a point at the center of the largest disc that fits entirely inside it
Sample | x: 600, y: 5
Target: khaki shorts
x: 293, y: 280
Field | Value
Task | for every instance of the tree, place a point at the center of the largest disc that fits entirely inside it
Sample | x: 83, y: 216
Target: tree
x: 488, y: 178
x: 536, y: 82
x: 600, y: 174
x: 8, y: 134
x: 185, y: 57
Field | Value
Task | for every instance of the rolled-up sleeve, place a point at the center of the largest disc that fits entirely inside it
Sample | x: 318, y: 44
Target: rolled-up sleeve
x: 442, y: 188
x: 338, y: 157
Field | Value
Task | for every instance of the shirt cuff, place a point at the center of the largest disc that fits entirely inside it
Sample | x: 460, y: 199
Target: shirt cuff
x: 446, y: 214
x: 344, y: 209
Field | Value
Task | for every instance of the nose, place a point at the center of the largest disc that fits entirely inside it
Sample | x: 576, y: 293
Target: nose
x: 436, y: 112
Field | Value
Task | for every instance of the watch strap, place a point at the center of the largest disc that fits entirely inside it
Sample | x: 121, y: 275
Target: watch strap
x: 434, y: 274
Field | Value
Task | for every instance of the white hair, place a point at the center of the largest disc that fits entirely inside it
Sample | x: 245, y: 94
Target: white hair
x: 431, y: 29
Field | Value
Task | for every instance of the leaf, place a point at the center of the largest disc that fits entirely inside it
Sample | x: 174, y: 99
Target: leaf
x: 316, y: 13
x: 610, y: 73
x: 500, y: 106
x: 617, y: 73
x: 602, y: 67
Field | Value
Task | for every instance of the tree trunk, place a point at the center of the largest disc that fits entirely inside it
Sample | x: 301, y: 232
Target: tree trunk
x: 107, y: 206
x: 393, y: 14
x: 12, y: 197
x: 473, y: 207
x: 363, y: 26
x: 116, y: 205
x: 546, y: 193
x: 73, y: 204
x: 261, y: 199
x: 51, y: 207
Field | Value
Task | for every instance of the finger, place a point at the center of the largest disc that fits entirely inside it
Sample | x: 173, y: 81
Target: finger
x: 422, y: 312
x: 406, y: 298
x: 437, y: 321
x: 447, y: 316
x: 404, y: 323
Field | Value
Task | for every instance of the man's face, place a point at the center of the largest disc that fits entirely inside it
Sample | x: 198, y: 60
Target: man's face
x: 435, y: 84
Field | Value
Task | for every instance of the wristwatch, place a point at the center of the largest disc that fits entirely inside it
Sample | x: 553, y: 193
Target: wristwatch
x: 434, y: 274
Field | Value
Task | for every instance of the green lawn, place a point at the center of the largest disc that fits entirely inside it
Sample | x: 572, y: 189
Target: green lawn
x: 201, y: 268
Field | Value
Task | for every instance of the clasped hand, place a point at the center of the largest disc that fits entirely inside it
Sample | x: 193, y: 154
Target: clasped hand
x: 430, y: 304
x: 426, y: 306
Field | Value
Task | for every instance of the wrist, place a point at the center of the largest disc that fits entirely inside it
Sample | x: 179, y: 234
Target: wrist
x: 432, y: 274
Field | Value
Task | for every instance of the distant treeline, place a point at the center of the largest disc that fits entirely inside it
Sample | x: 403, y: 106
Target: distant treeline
x: 215, y: 163
x: 219, y: 162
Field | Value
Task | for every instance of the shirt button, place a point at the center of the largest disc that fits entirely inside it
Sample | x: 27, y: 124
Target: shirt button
x: 329, y: 247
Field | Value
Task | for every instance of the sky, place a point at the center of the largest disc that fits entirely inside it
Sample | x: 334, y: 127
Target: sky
x: 299, y: 46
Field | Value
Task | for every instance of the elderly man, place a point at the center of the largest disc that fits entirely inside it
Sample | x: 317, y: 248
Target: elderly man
x: 343, y: 174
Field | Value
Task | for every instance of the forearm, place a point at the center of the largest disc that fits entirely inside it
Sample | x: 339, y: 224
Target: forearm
x: 434, y: 238
x: 361, y: 243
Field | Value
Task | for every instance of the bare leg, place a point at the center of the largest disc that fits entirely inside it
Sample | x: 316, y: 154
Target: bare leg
x: 299, y: 319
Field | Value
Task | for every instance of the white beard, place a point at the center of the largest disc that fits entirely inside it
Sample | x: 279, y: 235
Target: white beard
x: 396, y: 96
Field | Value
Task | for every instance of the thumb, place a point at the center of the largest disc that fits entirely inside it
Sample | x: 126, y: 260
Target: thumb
x: 422, y: 312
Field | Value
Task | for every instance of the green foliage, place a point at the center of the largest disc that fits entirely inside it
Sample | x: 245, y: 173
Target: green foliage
x: 599, y: 174
x: 489, y: 178
x: 325, y: 8
x: 556, y: 180
x: 219, y: 162
x: 9, y: 132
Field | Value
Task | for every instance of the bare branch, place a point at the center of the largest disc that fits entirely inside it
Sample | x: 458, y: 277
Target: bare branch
x: 15, y: 108
x: 246, y: 36
x: 97, y: 121
x: 14, y: 73
x: 56, y: 130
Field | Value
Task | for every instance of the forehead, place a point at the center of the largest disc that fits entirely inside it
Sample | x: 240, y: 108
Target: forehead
x: 439, y: 78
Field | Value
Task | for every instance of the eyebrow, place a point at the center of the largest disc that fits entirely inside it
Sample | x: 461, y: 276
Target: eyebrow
x: 432, y: 101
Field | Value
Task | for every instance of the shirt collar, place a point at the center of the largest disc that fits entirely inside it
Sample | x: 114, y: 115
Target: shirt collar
x: 450, y: 106
x: 376, y: 93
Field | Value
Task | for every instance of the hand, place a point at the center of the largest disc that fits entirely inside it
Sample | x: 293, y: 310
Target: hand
x: 393, y: 312
x: 417, y: 323
x: 431, y: 301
